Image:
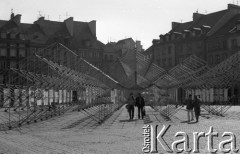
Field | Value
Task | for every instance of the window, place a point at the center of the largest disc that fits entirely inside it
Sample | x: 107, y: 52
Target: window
x: 3, y: 52
x: 180, y: 59
x: 111, y: 57
x: 217, y: 59
x: 180, y: 48
x: 199, y: 45
x: 211, y: 59
x: 159, y: 62
x: 224, y: 56
x: 97, y: 55
x: 3, y: 35
x: 164, y: 52
x: 13, y: 64
x: 106, y: 57
x: 2, y: 64
x: 90, y: 54
x: 1, y: 78
x: 169, y: 50
x: 22, y: 53
x: 164, y: 62
x: 169, y: 61
x: 233, y: 43
x: 13, y: 52
x: 224, y: 44
x: 189, y: 47
x: 87, y: 43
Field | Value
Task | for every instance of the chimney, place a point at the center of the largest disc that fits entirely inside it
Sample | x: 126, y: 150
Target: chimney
x: 17, y: 18
x: 175, y: 24
x: 196, y: 16
x: 40, y: 20
x: 12, y: 16
x: 92, y: 26
x: 162, y: 38
x: 69, y: 25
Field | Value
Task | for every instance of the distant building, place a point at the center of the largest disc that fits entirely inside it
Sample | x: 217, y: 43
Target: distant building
x: 19, y: 40
x: 115, y: 50
x: 212, y: 37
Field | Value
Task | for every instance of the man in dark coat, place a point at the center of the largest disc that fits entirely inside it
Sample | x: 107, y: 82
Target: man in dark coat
x: 197, y: 109
x: 140, y: 104
x: 189, y: 108
x: 130, y: 103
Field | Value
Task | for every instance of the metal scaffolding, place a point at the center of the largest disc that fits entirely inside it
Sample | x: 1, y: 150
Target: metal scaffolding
x: 51, y: 82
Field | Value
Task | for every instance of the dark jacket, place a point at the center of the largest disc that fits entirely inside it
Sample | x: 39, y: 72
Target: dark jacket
x: 196, y: 105
x: 130, y: 100
x: 140, y: 102
x: 189, y: 104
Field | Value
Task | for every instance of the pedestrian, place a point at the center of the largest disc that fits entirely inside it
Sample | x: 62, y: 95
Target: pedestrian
x: 197, y: 108
x: 140, y: 103
x: 130, y: 103
x: 190, y: 108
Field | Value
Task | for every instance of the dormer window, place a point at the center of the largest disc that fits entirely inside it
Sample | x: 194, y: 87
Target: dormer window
x: 177, y: 34
x: 87, y: 43
x: 238, y: 25
x: 193, y: 33
x: 197, y: 31
x: 205, y: 28
x: 186, y: 33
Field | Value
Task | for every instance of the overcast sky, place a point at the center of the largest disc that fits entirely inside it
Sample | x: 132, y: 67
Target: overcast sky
x: 142, y: 20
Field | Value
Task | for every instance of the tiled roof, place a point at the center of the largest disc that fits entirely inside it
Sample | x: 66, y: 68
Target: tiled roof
x: 83, y: 33
x: 50, y: 27
x: 148, y: 50
x: 123, y: 41
x: 49, y: 30
x: 182, y: 26
x: 209, y: 19
x: 62, y: 32
x: 34, y: 28
x: 2, y: 22
x: 229, y: 27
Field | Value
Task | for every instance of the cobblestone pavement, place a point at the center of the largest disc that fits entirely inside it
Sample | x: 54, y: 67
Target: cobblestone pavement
x: 76, y: 132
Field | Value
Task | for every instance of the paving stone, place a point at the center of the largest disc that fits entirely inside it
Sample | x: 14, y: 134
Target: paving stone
x: 115, y: 135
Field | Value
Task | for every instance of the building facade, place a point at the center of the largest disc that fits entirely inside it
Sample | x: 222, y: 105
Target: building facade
x: 203, y: 37
x: 212, y: 37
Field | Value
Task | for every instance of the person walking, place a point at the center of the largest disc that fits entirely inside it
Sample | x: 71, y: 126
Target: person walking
x: 190, y: 108
x: 197, y: 108
x: 130, y: 103
x: 140, y: 105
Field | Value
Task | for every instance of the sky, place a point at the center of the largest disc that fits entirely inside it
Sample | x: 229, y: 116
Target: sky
x: 142, y: 20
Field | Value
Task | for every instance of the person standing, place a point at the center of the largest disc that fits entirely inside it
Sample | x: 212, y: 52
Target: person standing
x: 197, y: 108
x: 190, y: 108
x: 140, y: 105
x: 131, y: 102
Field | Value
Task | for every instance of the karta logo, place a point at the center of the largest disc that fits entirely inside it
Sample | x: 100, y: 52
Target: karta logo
x: 152, y: 139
